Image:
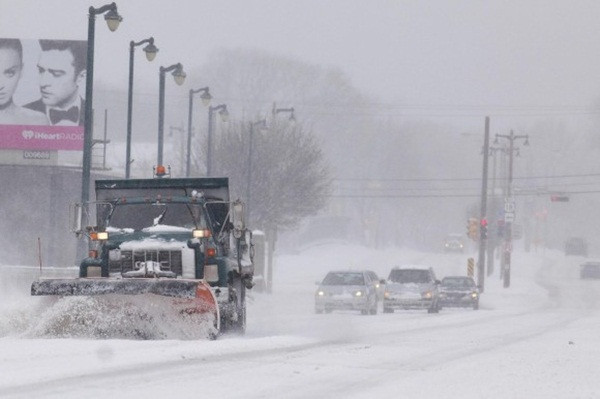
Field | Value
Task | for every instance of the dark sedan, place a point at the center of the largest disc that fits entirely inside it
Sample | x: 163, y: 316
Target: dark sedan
x: 590, y: 270
x: 459, y: 291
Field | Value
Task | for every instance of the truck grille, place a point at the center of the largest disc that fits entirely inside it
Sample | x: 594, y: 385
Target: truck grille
x: 169, y: 260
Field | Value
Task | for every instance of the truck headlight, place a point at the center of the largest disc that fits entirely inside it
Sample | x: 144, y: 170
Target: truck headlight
x: 99, y: 235
x: 200, y: 233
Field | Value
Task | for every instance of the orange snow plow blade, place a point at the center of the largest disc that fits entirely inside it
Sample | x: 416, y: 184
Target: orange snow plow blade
x: 189, y: 296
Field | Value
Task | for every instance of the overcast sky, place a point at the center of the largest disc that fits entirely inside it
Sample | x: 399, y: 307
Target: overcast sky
x: 451, y: 57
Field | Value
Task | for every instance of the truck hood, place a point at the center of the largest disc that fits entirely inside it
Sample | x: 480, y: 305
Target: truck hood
x: 125, y: 238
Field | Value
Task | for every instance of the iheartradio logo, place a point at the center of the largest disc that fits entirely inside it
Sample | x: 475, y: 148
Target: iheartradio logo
x: 27, y: 134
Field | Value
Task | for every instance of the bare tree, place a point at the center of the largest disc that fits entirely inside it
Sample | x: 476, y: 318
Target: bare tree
x: 289, y: 176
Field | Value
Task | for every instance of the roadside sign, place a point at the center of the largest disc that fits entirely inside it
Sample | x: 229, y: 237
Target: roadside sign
x: 470, y: 267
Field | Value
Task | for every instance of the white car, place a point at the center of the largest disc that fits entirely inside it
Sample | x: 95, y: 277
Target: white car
x: 412, y: 288
x: 454, y: 243
x: 347, y: 290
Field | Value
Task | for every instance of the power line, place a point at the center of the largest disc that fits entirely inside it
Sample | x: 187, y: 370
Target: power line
x: 416, y: 196
x: 441, y: 179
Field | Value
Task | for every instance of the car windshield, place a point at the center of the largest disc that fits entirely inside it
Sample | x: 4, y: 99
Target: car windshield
x: 458, y: 282
x: 409, y: 276
x: 344, y: 279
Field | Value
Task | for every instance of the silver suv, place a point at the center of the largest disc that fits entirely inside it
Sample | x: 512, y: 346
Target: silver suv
x: 412, y: 287
x: 347, y: 290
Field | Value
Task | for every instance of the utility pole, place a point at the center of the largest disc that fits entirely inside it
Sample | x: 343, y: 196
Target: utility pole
x: 509, y: 204
x: 483, y: 210
x: 493, y: 241
x: 504, y: 169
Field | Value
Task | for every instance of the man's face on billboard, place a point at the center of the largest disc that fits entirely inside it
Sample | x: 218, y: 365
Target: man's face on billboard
x: 10, y: 72
x: 59, y: 85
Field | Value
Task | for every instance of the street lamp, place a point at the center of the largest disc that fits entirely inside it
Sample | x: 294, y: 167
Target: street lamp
x: 509, y: 202
x: 276, y: 111
x: 113, y: 19
x: 222, y: 108
x: 263, y: 125
x: 205, y: 97
x: 150, y: 51
x: 179, y: 76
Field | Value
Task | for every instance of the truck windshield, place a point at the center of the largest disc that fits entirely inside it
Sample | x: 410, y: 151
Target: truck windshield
x: 141, y: 216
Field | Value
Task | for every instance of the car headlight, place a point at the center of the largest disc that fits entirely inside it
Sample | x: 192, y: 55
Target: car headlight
x: 358, y: 293
x: 427, y: 294
x: 474, y: 295
x: 320, y: 293
x: 386, y: 294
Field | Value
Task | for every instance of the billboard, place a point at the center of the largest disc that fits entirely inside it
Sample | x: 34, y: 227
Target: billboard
x: 42, y: 90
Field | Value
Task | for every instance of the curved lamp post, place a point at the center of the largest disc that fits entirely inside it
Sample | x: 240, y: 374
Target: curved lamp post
x: 179, y: 76
x: 280, y: 110
x: 113, y: 19
x: 205, y: 97
x: 150, y: 51
x: 222, y: 108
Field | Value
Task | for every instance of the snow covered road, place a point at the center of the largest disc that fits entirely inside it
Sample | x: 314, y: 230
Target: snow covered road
x: 537, y: 338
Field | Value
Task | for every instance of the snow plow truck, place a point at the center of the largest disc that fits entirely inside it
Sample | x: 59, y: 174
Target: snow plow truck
x: 176, y: 238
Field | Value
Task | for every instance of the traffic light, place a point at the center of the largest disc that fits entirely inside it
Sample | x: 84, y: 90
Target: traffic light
x: 483, y: 230
x: 473, y: 229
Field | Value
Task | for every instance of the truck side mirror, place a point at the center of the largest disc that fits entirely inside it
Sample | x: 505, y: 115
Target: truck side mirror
x: 237, y: 217
x: 76, y: 218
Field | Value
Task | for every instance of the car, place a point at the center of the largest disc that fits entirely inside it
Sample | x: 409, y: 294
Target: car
x: 576, y: 246
x: 411, y: 287
x: 347, y: 290
x: 454, y: 243
x: 590, y: 270
x: 459, y: 291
